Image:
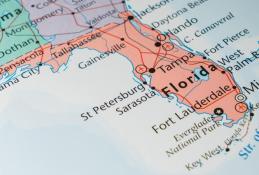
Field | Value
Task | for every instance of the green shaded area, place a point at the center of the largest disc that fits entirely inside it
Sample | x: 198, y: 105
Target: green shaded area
x: 17, y: 35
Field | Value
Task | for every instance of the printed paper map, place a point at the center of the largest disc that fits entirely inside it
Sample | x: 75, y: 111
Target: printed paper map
x: 129, y: 87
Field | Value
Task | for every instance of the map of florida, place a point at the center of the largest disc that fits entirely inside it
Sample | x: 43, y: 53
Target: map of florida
x: 159, y: 61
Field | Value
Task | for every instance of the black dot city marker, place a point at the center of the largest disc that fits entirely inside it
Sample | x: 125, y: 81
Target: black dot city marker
x: 37, y: 42
x: 3, y: 30
x: 130, y: 17
x: 144, y: 82
x: 223, y: 72
x: 152, y: 70
x: 251, y: 116
x: 122, y: 39
x: 90, y: 27
x: 123, y: 2
x: 153, y: 87
x: 157, y: 44
x: 234, y: 87
x: 72, y: 13
x: 227, y: 149
x: 218, y: 111
x: 32, y: 5
x: 204, y: 57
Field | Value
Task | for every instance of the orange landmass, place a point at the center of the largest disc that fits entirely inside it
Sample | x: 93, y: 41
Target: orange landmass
x: 197, y: 82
